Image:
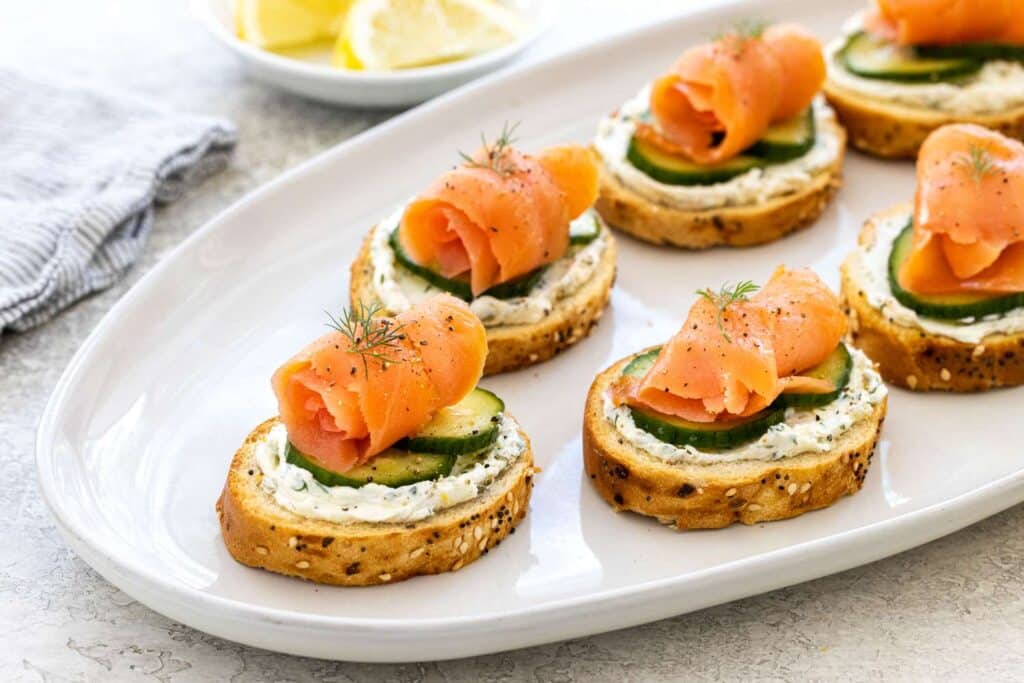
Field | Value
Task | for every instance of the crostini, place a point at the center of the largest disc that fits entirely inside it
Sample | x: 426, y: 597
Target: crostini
x: 935, y: 289
x: 903, y: 68
x: 386, y: 461
x: 511, y: 233
x: 732, y: 146
x: 756, y: 410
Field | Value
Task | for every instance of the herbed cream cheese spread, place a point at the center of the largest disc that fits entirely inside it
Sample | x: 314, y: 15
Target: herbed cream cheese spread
x: 398, y: 289
x: 869, y: 266
x: 805, y: 430
x: 295, y: 489
x: 753, y: 187
x: 996, y: 88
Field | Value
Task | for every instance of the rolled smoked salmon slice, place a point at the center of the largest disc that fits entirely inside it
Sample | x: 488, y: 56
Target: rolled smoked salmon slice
x: 948, y: 22
x: 500, y: 215
x: 707, y: 373
x: 343, y: 402
x: 721, y: 97
x: 968, y: 214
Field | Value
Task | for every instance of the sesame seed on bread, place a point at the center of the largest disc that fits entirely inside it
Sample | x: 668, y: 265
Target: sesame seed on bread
x: 511, y: 347
x: 694, y: 496
x: 260, y: 533
x: 896, y: 131
x: 915, y: 359
x: 737, y: 226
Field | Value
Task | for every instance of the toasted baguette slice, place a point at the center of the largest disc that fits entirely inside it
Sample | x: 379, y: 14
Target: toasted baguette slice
x: 737, y: 226
x: 511, y: 347
x: 896, y: 131
x: 688, y: 496
x: 915, y: 359
x: 260, y: 533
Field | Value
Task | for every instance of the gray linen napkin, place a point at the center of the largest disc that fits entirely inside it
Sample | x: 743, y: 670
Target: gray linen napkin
x: 80, y: 171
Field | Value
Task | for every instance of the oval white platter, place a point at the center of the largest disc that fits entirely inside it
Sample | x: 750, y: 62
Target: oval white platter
x: 313, y: 76
x: 135, y: 443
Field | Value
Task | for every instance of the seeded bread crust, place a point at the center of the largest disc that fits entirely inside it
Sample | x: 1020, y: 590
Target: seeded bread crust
x: 896, y: 131
x: 914, y: 359
x: 511, y: 347
x: 737, y: 226
x: 686, y: 496
x: 260, y: 533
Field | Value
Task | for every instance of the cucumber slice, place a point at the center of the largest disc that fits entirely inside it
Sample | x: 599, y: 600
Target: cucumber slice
x: 459, y: 288
x: 675, y: 170
x: 584, y: 229
x: 720, y: 435
x: 469, y: 426
x: 943, y: 306
x: 707, y: 435
x: 872, y: 57
x: 520, y: 286
x: 787, y: 140
x: 982, y: 51
x: 639, y: 366
x: 836, y: 369
x: 782, y: 142
x: 394, y: 467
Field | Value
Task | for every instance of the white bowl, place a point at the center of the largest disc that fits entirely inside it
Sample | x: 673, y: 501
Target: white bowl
x: 318, y: 80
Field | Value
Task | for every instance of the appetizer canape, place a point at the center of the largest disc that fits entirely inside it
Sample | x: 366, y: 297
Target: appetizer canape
x: 906, y: 67
x: 731, y: 146
x: 754, y: 411
x: 935, y: 290
x: 511, y: 233
x: 386, y: 461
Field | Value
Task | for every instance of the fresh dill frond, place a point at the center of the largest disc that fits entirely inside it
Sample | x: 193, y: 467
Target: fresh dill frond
x: 494, y: 152
x: 369, y: 337
x: 977, y: 161
x: 742, y: 31
x: 726, y: 296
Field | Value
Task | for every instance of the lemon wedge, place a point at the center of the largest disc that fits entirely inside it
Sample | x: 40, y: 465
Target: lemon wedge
x: 275, y: 24
x: 382, y: 35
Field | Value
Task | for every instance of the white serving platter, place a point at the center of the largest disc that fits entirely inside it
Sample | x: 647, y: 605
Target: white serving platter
x: 135, y: 443
x: 313, y: 76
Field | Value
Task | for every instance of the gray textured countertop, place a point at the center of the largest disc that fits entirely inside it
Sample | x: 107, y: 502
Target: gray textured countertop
x: 952, y: 609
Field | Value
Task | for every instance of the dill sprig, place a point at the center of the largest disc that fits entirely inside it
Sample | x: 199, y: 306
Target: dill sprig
x: 494, y: 152
x: 742, y: 31
x: 727, y: 296
x: 370, y: 337
x: 977, y: 161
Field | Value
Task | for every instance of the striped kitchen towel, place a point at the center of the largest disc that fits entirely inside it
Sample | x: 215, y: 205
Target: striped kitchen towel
x: 80, y: 171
